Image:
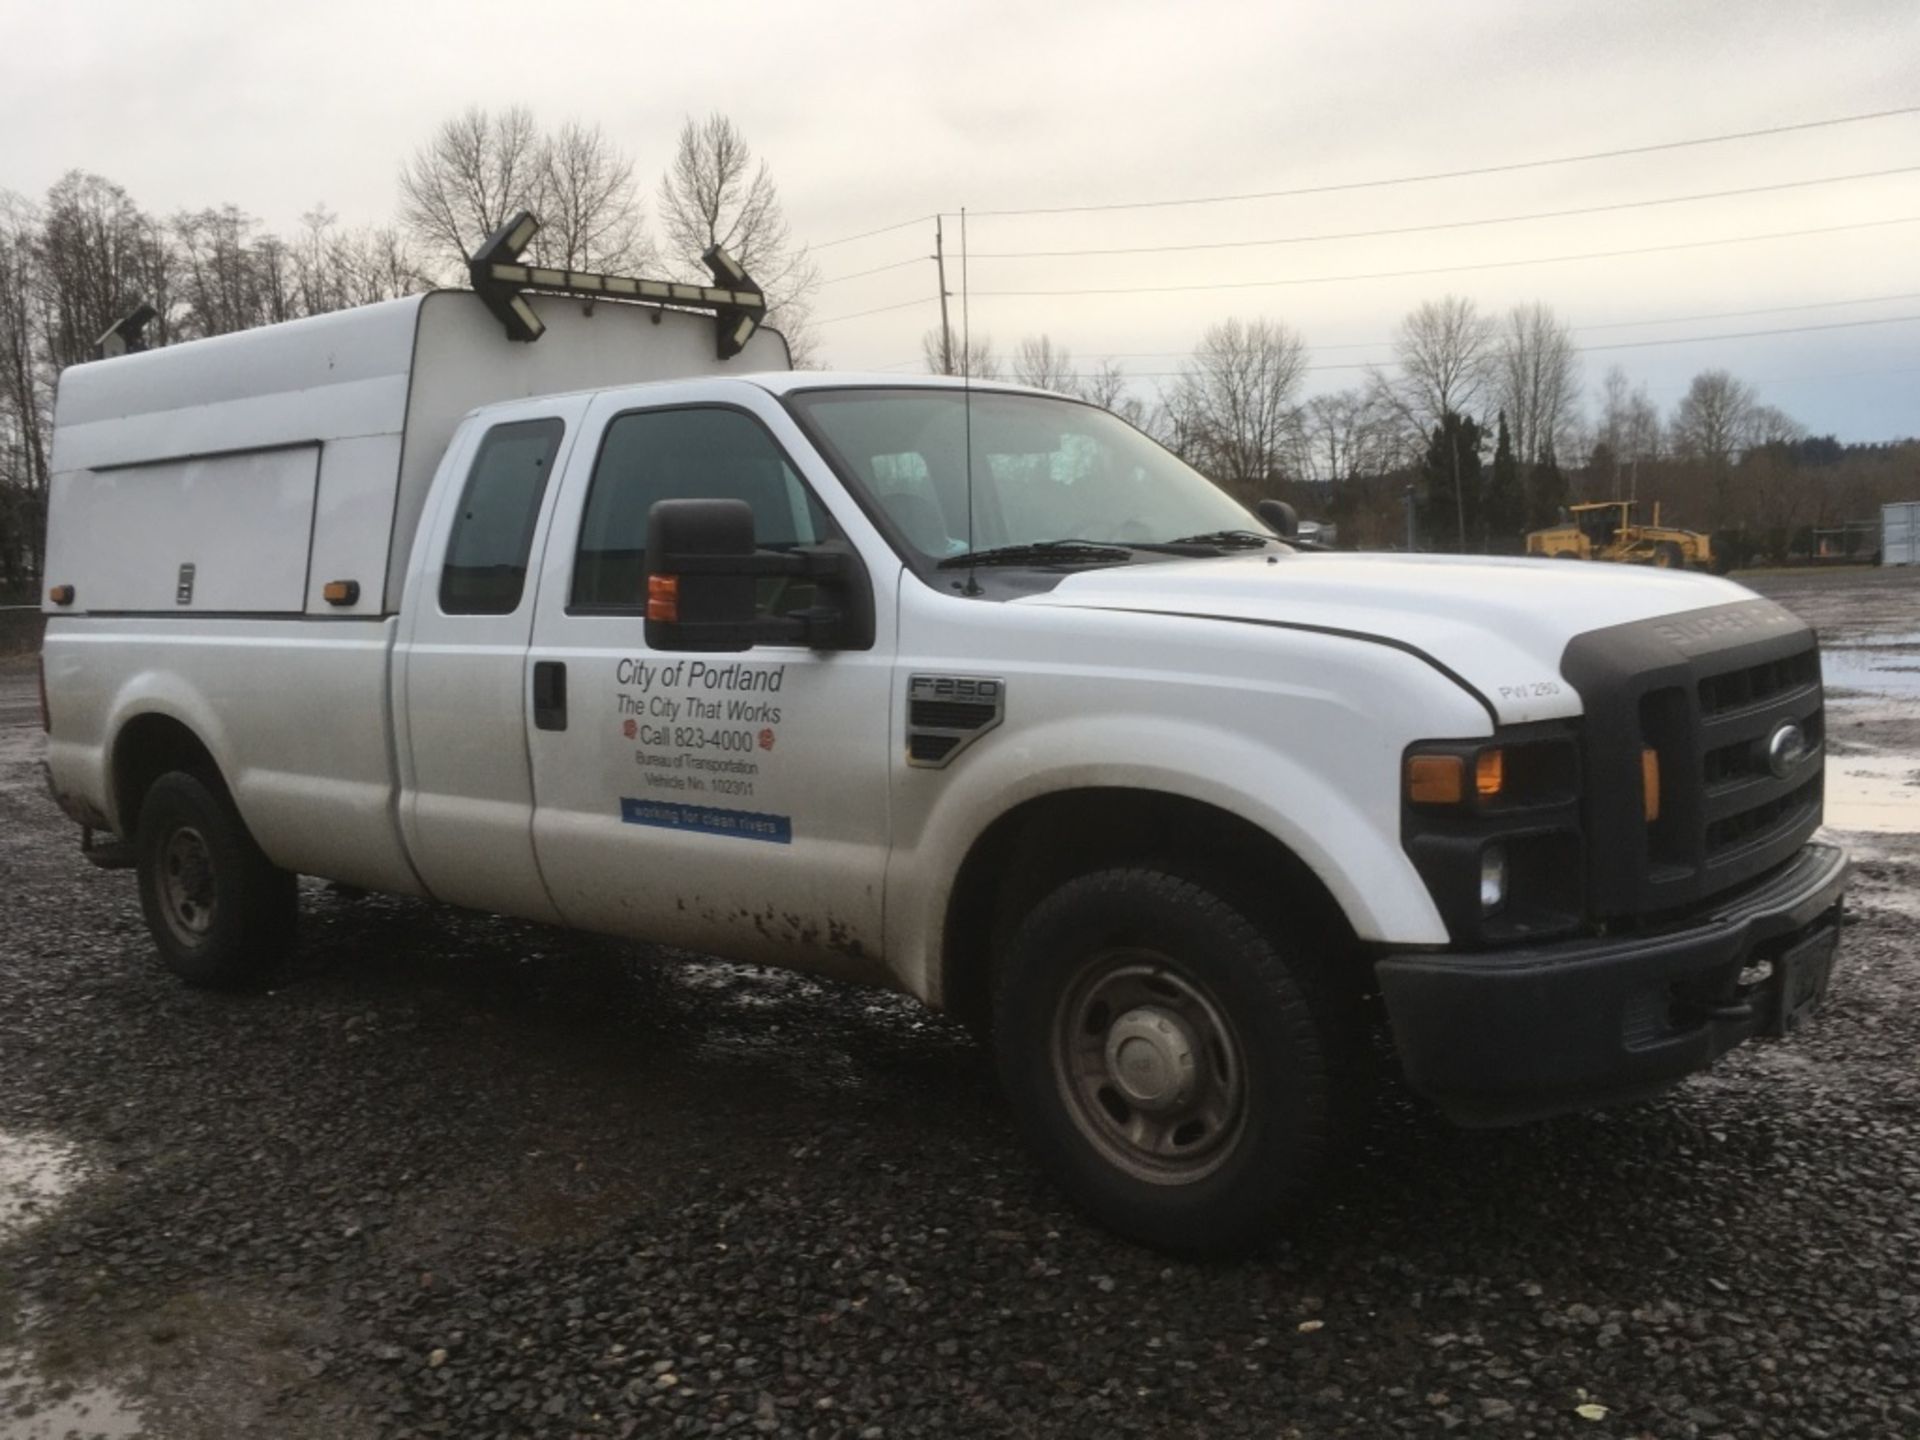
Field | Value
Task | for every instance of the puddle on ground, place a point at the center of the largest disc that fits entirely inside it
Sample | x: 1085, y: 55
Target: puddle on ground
x: 36, y: 1174
x: 95, y: 1413
x: 1886, y: 666
x: 1877, y: 794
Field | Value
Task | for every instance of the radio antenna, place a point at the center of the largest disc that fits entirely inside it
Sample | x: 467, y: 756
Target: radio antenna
x: 966, y: 398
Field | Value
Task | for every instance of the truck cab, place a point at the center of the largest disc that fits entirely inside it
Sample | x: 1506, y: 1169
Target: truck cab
x: 969, y: 691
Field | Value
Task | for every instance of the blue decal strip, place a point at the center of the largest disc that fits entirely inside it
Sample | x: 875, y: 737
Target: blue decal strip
x: 736, y: 824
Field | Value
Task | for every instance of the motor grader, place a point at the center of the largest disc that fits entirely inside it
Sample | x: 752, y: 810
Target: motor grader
x: 1606, y: 530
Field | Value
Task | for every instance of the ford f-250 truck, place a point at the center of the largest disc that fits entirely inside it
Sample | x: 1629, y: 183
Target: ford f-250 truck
x: 973, y: 692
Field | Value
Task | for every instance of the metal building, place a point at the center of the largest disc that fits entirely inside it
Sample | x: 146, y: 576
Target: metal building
x: 1900, y: 533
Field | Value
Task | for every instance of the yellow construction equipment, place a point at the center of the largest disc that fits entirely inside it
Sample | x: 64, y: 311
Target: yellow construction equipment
x: 1608, y: 531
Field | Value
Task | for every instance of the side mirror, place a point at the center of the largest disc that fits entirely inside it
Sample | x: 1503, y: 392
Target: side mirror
x: 703, y: 574
x: 1281, y: 518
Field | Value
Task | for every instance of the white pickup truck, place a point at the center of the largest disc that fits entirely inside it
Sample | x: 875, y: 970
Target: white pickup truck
x: 974, y: 693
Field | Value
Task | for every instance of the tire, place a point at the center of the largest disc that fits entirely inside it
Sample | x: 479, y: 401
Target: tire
x: 219, y: 911
x: 1227, y: 1045
x: 1668, y: 556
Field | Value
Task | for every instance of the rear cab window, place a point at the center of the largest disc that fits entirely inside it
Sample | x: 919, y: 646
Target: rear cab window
x: 486, y: 565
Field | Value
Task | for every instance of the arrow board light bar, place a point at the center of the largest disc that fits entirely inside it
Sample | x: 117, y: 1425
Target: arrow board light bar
x: 501, y: 281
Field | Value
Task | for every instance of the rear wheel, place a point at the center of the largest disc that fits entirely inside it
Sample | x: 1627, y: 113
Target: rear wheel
x: 1170, y: 1062
x: 219, y: 911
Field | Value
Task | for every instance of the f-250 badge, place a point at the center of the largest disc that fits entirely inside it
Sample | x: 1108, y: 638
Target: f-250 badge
x: 947, y: 713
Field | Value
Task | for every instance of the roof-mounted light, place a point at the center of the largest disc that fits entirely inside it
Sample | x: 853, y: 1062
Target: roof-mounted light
x: 125, y: 336
x: 501, y: 280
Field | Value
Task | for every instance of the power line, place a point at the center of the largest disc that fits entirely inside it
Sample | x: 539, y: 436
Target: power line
x: 914, y: 260
x: 1750, y: 334
x: 1585, y: 349
x: 1456, y: 269
x: 1577, y: 329
x: 1451, y: 224
x: 1743, y: 314
x: 1502, y: 169
x: 879, y: 310
x: 869, y: 234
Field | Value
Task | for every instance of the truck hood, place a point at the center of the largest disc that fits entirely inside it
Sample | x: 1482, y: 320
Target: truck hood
x: 1499, y: 626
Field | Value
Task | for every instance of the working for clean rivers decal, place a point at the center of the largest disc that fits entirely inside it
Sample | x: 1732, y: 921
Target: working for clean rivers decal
x: 741, y: 824
x: 702, y: 731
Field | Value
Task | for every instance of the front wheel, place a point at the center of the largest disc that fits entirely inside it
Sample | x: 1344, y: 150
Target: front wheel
x: 219, y: 911
x: 1170, y: 1062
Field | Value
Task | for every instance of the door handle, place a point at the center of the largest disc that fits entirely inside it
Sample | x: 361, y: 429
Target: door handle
x: 549, y: 695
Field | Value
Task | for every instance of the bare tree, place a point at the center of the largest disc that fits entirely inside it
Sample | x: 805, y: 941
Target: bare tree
x: 1630, y: 429
x: 1343, y: 435
x: 1714, y: 418
x: 478, y: 170
x: 1445, y: 350
x: 23, y: 395
x: 592, y: 214
x: 1770, y: 425
x: 1107, y: 388
x: 1042, y: 364
x: 975, y: 357
x: 716, y: 193
x: 1232, y: 407
x: 97, y: 258
x: 220, y: 279
x: 1537, y: 373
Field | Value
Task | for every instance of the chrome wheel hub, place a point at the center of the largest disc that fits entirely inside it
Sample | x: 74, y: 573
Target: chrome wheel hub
x: 1148, y: 1067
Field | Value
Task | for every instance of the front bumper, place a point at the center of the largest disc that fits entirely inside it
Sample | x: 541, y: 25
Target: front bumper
x: 1502, y: 1036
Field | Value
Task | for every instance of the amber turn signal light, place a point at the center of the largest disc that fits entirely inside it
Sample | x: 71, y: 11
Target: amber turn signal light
x: 663, y: 598
x: 1650, y: 783
x: 340, y: 592
x: 1436, y: 779
x: 61, y: 594
x: 1489, y: 773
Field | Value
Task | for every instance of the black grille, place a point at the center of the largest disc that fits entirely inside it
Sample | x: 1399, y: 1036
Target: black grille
x: 1758, y: 684
x: 950, y: 715
x: 1708, y: 693
x: 1759, y: 824
x: 931, y: 747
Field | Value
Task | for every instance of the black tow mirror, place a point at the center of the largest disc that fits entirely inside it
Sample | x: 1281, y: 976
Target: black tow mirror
x: 1281, y: 518
x: 703, y: 583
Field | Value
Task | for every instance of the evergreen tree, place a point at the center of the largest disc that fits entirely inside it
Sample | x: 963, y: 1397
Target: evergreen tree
x: 1506, y: 505
x: 1546, y: 492
x: 1450, y: 472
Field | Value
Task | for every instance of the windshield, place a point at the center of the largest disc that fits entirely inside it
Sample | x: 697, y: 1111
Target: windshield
x: 1043, y: 470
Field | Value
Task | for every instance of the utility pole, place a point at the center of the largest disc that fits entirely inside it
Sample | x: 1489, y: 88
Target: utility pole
x: 946, y: 330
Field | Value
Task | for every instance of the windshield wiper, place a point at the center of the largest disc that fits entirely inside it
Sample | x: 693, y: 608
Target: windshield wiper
x: 1087, y: 551
x: 1227, y: 539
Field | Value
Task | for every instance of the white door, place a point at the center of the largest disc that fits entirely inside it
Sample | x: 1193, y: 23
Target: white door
x: 733, y: 803
x: 466, y: 802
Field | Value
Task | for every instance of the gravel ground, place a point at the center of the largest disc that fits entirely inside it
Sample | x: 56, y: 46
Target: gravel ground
x: 460, y: 1176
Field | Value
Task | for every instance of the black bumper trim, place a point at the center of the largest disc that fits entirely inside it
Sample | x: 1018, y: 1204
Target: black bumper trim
x: 1504, y: 1036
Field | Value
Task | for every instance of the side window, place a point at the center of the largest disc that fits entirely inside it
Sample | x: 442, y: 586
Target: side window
x: 486, y: 566
x: 699, y: 454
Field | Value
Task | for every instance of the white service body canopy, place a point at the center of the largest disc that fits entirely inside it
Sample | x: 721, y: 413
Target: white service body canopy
x: 275, y: 460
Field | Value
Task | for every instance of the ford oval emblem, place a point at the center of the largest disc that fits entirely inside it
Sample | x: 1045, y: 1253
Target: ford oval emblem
x: 1786, y: 748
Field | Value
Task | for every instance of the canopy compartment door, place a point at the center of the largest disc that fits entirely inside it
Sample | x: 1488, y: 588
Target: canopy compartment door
x: 218, y: 533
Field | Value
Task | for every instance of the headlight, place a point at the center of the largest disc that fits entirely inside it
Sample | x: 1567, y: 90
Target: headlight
x: 1493, y: 827
x: 1493, y: 878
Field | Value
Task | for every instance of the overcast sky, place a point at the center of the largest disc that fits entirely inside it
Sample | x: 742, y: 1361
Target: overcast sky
x: 873, y: 113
